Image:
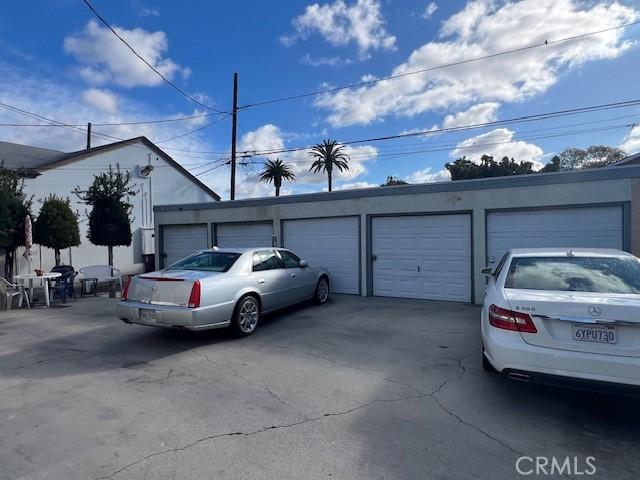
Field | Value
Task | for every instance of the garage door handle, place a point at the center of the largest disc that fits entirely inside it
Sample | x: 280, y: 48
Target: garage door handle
x: 418, y: 268
x: 261, y: 280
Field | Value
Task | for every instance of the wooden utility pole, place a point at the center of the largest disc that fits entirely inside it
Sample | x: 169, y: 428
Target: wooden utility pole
x: 88, y: 135
x: 234, y: 121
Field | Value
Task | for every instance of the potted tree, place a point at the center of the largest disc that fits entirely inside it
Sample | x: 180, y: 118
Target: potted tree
x: 56, y: 226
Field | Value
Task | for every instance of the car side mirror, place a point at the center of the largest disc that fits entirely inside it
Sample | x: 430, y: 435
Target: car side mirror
x: 303, y: 264
x: 486, y: 271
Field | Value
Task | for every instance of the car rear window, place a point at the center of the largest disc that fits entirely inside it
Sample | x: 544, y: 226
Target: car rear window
x: 207, y: 262
x: 575, y: 274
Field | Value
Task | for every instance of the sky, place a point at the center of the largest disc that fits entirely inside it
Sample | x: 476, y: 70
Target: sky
x: 58, y: 61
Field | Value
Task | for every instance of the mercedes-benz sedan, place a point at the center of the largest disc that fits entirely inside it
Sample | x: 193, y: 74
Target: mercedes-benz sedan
x: 557, y: 314
x: 220, y: 288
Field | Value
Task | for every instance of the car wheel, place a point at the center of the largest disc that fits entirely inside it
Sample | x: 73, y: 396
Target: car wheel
x: 322, y: 291
x: 486, y: 364
x: 246, y: 316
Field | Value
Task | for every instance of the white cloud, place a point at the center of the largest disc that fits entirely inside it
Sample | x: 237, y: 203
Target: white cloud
x: 336, y: 61
x: 498, y: 143
x: 271, y: 137
x: 361, y: 23
x: 430, y: 10
x: 101, y: 99
x: 485, y: 27
x: 632, y: 141
x: 356, y: 185
x: 428, y: 176
x: 106, y: 59
x: 480, y: 113
x: 148, y: 12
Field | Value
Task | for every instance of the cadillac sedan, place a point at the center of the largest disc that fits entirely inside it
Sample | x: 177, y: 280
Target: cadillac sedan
x: 558, y: 315
x: 222, y: 288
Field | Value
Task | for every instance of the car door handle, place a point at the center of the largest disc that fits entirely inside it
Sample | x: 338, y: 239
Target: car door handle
x: 293, y: 275
x: 261, y: 280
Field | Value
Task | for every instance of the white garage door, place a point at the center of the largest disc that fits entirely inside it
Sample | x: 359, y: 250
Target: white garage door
x: 244, y: 235
x: 331, y: 243
x: 567, y: 227
x: 427, y: 257
x: 178, y: 241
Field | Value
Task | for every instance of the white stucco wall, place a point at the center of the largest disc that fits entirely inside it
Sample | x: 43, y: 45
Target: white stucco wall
x: 477, y: 202
x: 168, y: 186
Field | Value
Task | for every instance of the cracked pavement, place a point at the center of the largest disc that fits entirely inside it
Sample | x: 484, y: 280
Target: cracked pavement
x: 361, y: 388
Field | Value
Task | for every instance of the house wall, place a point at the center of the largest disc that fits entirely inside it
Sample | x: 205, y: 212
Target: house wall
x: 168, y: 186
x: 477, y: 201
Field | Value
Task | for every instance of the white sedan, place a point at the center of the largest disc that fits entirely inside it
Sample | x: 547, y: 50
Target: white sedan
x: 556, y: 315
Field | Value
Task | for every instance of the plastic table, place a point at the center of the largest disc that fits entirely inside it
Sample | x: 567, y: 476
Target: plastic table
x: 43, y: 279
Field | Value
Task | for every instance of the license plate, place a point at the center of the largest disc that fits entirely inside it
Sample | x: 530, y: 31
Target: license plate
x: 591, y: 332
x: 148, y: 315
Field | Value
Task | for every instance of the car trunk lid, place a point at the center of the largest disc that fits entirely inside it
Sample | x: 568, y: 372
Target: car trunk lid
x: 581, y: 321
x: 169, y: 287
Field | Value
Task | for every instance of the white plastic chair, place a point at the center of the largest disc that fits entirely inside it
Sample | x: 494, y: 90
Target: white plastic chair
x: 103, y: 273
x: 11, y: 290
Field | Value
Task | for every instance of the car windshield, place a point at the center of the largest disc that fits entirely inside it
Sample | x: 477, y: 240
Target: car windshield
x: 207, y: 262
x: 575, y: 274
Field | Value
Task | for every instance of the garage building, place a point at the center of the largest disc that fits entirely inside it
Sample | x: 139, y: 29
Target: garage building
x: 424, y: 241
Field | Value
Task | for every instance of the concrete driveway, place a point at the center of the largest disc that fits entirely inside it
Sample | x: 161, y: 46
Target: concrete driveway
x: 361, y: 388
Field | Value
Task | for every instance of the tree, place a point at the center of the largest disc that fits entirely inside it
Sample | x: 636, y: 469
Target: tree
x: 275, y: 171
x: 14, y: 207
x: 391, y: 181
x: 56, y: 226
x: 593, y: 157
x: 110, y: 216
x: 552, y: 166
x: 464, y: 169
x: 329, y: 155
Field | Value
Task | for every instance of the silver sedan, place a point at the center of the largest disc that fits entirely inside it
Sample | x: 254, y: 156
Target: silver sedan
x: 219, y: 288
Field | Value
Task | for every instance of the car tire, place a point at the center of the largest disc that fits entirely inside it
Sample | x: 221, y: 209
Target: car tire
x: 486, y: 364
x: 246, y: 316
x: 322, y: 291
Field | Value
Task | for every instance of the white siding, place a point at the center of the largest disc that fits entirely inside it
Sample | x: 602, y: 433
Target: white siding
x: 425, y: 256
x: 599, y: 227
x: 331, y: 243
x: 167, y: 184
x: 244, y: 235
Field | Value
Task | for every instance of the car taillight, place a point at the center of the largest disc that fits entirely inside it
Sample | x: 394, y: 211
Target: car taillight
x: 125, y: 292
x: 194, y: 298
x: 510, y: 320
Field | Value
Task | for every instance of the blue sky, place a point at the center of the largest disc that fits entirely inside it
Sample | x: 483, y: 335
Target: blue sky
x: 58, y: 61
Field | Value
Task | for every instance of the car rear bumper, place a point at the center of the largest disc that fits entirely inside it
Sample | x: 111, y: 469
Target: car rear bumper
x: 508, y: 352
x: 203, y: 318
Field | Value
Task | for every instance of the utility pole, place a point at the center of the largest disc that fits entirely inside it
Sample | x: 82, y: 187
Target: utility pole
x: 234, y: 121
x: 88, y: 135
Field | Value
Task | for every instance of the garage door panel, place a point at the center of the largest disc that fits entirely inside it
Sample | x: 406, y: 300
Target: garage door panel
x: 440, y: 245
x: 332, y: 243
x: 596, y: 227
x: 244, y: 235
x: 179, y: 241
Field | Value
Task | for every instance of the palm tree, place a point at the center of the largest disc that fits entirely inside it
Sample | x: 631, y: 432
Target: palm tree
x: 274, y: 171
x: 327, y: 155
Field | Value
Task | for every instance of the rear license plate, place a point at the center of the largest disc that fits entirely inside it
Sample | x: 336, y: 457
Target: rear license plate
x: 148, y: 315
x: 591, y: 332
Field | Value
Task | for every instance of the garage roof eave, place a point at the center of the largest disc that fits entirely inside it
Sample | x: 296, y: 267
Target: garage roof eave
x: 599, y: 174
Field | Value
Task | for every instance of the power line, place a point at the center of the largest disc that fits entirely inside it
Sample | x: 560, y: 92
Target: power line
x: 438, y: 67
x: 419, y: 133
x: 194, y: 130
x: 113, y: 124
x: 477, y: 145
x: 165, y: 79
